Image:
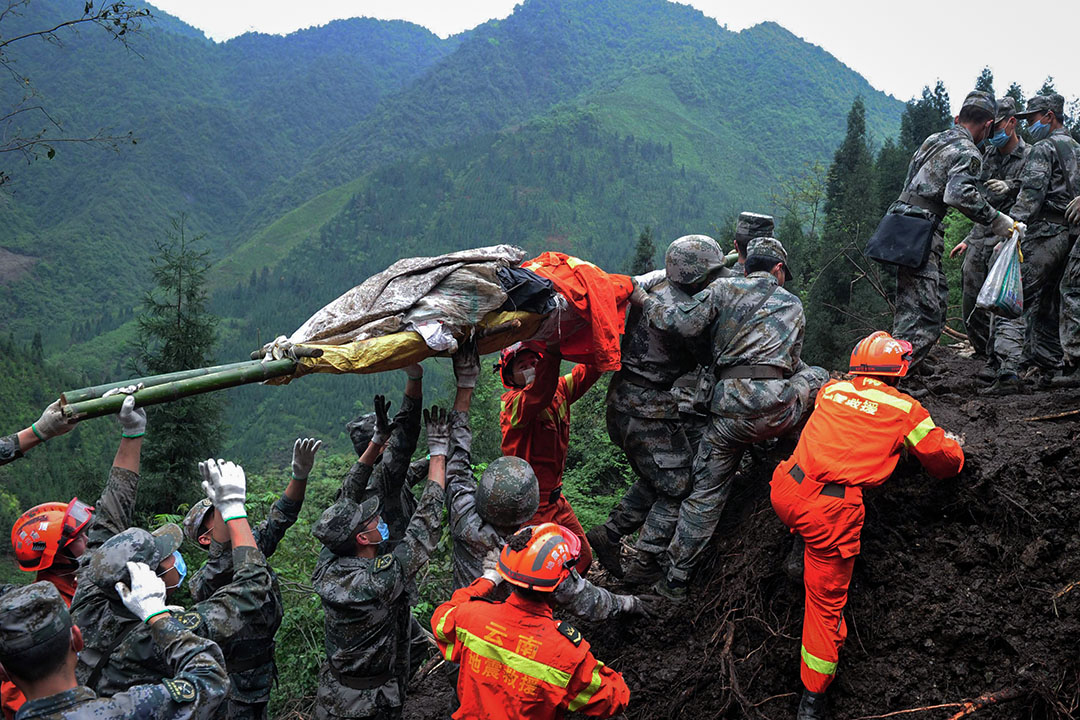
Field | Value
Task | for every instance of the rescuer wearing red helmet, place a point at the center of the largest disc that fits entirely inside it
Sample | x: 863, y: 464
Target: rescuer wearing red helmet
x: 49, y: 539
x: 851, y: 441
x: 516, y: 660
x: 535, y: 422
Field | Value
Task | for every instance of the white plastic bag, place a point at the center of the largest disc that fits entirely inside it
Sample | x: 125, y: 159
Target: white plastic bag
x: 1003, y: 291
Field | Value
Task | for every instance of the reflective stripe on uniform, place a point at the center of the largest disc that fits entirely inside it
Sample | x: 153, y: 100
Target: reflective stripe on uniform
x: 440, y: 634
x: 522, y: 664
x: 817, y: 664
x: 569, y: 380
x: 871, y: 394
x: 921, y: 430
x: 513, y: 409
x: 586, y: 695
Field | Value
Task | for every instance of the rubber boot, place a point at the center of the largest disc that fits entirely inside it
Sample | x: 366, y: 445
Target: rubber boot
x: 671, y: 589
x: 1005, y: 385
x: 1069, y: 377
x: 812, y: 706
x: 606, y: 549
x: 645, y: 571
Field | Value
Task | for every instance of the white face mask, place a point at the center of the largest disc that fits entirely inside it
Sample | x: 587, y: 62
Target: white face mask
x: 529, y: 374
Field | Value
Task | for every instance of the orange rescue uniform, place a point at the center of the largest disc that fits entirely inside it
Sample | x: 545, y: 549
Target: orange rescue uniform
x: 851, y: 441
x: 535, y: 423
x: 11, y: 698
x: 518, y: 662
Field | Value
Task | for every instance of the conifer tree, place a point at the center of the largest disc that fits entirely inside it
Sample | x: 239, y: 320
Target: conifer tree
x: 924, y: 117
x: 985, y: 81
x: 644, y: 253
x: 176, y: 332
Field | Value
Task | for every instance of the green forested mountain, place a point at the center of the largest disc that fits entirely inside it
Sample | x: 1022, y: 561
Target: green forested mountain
x: 313, y: 160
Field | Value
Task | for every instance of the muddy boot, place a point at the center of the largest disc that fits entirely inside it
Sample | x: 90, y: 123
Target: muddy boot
x: 673, y: 590
x: 1069, y: 377
x: 607, y: 549
x: 812, y: 706
x: 645, y: 571
x: 793, y: 563
x: 1005, y: 385
x: 988, y: 374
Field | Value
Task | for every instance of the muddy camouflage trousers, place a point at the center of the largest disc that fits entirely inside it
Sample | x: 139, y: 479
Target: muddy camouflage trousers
x: 976, y: 321
x: 1032, y: 339
x: 922, y: 297
x: 661, y: 457
x: 1070, y: 306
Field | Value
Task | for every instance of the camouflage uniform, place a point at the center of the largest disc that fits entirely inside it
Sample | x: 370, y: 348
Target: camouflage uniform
x: 251, y: 660
x: 981, y: 241
x: 1050, y: 179
x: 643, y: 420
x: 368, y: 626
x: 9, y: 449
x: 119, y: 648
x: 747, y: 227
x: 195, y: 682
x: 474, y: 538
x: 948, y: 179
x: 744, y: 411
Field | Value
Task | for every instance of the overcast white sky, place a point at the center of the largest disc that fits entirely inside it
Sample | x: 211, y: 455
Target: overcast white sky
x: 898, y: 47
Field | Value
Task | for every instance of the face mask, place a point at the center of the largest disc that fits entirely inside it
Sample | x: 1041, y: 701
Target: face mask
x: 1000, y: 140
x: 384, y: 530
x: 529, y: 374
x: 180, y: 566
x: 1039, y: 131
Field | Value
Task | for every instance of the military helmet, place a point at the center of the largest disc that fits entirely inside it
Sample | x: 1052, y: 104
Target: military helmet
x: 692, y: 259
x: 509, y: 493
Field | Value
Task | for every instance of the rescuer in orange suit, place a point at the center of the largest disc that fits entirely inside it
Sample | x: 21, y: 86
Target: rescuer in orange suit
x: 516, y: 660
x: 852, y: 441
x: 535, y: 421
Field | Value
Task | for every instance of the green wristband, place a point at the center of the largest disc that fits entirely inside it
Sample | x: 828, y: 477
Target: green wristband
x: 132, y: 437
x: 154, y: 615
x: 236, y: 517
x: 33, y: 429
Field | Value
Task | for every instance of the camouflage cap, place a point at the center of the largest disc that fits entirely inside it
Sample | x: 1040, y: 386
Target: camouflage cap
x: 340, y: 522
x: 769, y: 249
x: 361, y: 430
x: 31, y: 615
x: 981, y: 100
x: 1006, y: 108
x: 752, y: 225
x: 193, y: 521
x: 509, y: 493
x: 108, y: 564
x: 1043, y: 103
x: 692, y: 259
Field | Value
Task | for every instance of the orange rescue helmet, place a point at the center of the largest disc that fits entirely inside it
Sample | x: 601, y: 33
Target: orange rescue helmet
x: 43, y: 530
x: 506, y: 360
x: 881, y: 354
x: 539, y: 557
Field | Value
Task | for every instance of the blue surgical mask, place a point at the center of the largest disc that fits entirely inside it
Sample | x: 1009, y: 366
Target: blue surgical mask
x: 1039, y: 131
x: 384, y: 530
x: 180, y: 566
x: 1000, y: 140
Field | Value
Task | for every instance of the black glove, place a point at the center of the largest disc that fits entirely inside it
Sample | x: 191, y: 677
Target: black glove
x: 383, y: 427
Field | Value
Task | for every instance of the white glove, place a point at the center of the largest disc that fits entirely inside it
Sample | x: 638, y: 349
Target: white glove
x: 491, y: 565
x: 958, y: 439
x: 279, y: 349
x: 1002, y: 226
x: 383, y: 427
x: 1072, y: 211
x: 997, y: 187
x: 467, y: 365
x: 132, y: 419
x: 146, y: 596
x: 650, y: 279
x: 52, y: 423
x: 637, y: 298
x: 226, y: 486
x: 303, y: 456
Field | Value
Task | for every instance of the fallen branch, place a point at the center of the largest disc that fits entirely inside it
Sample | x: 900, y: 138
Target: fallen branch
x: 954, y: 334
x: 1067, y: 589
x: 965, y: 707
x: 1055, y: 416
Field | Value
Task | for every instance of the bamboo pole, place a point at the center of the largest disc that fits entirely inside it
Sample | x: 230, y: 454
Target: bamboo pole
x: 95, y: 391
x: 167, y: 392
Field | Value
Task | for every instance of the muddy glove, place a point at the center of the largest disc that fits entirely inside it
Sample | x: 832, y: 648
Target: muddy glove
x: 437, y: 422
x: 637, y: 298
x: 997, y: 187
x: 132, y: 419
x: 1072, y: 211
x: 303, y: 457
x: 383, y: 428
x: 1002, y: 226
x: 640, y: 605
x: 52, y: 423
x: 491, y: 566
x: 224, y: 483
x: 650, y: 280
x: 145, y: 598
x: 467, y: 365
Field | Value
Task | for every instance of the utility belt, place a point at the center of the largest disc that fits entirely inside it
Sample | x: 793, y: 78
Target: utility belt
x: 829, y: 489
x: 264, y: 657
x: 554, y: 496
x: 939, y: 210
x: 362, y: 683
x: 634, y: 378
x: 749, y: 372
